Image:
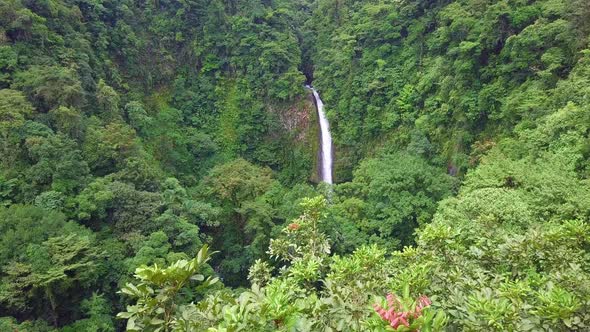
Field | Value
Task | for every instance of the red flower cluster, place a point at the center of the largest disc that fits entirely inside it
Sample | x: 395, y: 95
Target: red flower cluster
x: 395, y: 314
x: 293, y: 226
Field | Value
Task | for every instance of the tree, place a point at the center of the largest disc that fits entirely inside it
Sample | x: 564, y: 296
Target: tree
x: 237, y: 187
x: 158, y: 290
x: 8, y: 62
x: 56, y: 164
x: 67, y: 121
x: 154, y: 250
x: 14, y: 110
x: 108, y: 101
x: 106, y: 148
x: 397, y: 192
x: 99, y: 316
x: 49, y: 270
x: 303, y: 239
x: 120, y: 205
x: 138, y: 117
x: 236, y: 182
x: 50, y: 86
x: 21, y: 225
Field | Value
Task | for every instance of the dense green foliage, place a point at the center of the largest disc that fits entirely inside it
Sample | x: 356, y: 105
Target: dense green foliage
x: 440, y: 76
x: 158, y: 160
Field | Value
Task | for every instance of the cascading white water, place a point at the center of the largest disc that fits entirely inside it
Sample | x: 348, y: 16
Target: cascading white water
x: 326, y: 140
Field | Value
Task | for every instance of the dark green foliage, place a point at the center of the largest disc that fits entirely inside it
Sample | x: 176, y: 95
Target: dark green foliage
x: 387, y: 199
x: 57, y: 164
x: 135, y: 133
x: 99, y: 316
x: 48, y: 259
x: 22, y: 225
x: 14, y: 110
x: 111, y: 114
x: 460, y: 71
x: 246, y: 221
x: 50, y: 87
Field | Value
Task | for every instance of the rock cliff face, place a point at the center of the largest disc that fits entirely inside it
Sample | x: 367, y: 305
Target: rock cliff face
x: 299, y: 123
x: 296, y: 118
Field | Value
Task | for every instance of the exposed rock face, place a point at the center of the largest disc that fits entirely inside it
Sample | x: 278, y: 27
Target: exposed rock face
x: 297, y: 118
x: 299, y: 133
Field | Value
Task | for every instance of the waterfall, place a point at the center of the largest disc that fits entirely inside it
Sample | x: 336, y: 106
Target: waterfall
x: 326, y: 140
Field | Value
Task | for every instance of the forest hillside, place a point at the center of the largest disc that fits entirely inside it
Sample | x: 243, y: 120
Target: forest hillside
x: 159, y: 165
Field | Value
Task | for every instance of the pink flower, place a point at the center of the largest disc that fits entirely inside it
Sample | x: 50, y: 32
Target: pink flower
x: 395, y: 314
